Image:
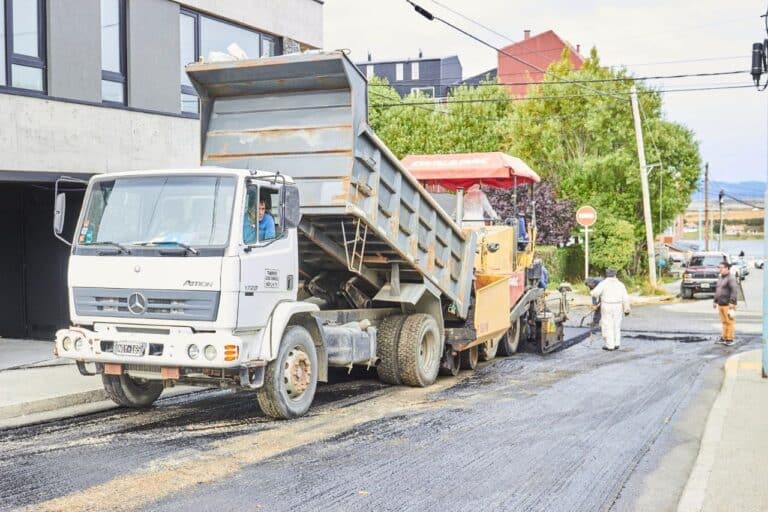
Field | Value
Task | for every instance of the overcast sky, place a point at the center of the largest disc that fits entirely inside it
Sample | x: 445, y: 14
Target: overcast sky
x: 710, y: 35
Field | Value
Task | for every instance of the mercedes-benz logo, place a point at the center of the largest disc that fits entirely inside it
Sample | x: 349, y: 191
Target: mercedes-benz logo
x: 137, y: 303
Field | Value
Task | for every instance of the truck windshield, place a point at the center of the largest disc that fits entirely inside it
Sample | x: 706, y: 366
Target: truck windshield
x: 191, y: 210
x: 706, y: 261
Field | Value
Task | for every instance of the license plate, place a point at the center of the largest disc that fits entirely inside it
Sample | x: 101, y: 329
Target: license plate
x: 128, y: 348
x: 704, y: 286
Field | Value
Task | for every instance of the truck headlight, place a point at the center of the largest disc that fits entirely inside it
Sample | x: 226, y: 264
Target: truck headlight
x: 210, y: 352
x: 66, y: 343
x: 79, y: 344
x: 193, y: 351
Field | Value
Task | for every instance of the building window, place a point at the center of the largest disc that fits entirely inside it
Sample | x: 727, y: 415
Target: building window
x: 113, y: 63
x: 190, y: 50
x: 414, y: 70
x: 268, y: 46
x: 22, y: 44
x: 217, y: 36
x: 399, y: 72
x: 426, y: 91
x: 369, y: 72
x: 200, y: 35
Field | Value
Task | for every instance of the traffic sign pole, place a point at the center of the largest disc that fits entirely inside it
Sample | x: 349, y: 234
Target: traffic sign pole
x: 586, y: 252
x: 586, y: 216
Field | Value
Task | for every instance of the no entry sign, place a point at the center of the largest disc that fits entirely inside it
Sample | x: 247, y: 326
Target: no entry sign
x: 586, y: 216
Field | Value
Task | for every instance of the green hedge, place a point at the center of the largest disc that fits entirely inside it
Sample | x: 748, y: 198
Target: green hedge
x: 563, y: 263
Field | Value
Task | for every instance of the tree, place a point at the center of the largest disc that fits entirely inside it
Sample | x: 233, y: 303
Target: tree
x: 470, y: 120
x: 611, y: 243
x: 583, y: 141
x: 555, y: 218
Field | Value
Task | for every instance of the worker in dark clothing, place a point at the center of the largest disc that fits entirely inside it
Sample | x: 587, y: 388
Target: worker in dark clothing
x: 726, y: 293
x: 522, y: 232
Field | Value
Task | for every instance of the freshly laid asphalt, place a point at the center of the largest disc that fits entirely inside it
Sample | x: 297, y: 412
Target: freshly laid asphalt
x: 558, y: 432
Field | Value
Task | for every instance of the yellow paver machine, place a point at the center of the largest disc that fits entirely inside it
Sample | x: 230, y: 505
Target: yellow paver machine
x: 510, y: 300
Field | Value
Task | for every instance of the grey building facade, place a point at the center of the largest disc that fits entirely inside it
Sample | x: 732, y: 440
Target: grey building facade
x: 93, y: 86
x: 430, y: 76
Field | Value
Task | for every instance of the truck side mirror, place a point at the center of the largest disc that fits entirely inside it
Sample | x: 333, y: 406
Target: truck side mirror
x: 59, y: 210
x: 291, y: 207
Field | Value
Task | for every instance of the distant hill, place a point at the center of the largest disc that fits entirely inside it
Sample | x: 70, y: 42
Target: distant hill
x: 741, y: 189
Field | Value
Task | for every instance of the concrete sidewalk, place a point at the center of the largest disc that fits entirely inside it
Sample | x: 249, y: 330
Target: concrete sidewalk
x: 731, y: 471
x: 36, y: 386
x: 33, y: 380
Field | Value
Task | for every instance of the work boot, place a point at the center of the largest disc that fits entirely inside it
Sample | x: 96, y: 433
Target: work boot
x: 728, y: 343
x: 721, y: 340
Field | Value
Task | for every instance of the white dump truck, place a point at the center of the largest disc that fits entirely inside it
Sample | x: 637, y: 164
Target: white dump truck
x: 300, y: 244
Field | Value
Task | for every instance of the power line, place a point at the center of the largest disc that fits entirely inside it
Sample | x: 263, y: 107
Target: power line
x: 726, y: 194
x: 421, y: 106
x: 592, y: 81
x: 457, y: 13
x: 431, y: 17
x: 566, y: 96
x: 684, y: 61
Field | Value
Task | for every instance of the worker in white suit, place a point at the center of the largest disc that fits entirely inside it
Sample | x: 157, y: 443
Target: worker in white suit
x: 614, y: 304
x: 477, y: 207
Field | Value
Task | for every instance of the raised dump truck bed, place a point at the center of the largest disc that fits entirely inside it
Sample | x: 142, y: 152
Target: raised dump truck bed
x: 364, y: 215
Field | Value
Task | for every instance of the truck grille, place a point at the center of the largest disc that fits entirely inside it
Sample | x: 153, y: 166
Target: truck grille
x: 705, y: 275
x: 156, y: 304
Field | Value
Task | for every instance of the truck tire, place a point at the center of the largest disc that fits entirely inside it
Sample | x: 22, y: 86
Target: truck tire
x: 419, y: 350
x: 129, y: 392
x: 469, y: 358
x: 387, y: 339
x: 290, y: 380
x: 511, y: 340
x: 686, y: 293
x: 488, y: 350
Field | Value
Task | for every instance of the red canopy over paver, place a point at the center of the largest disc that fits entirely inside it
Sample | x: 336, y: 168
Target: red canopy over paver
x: 463, y: 170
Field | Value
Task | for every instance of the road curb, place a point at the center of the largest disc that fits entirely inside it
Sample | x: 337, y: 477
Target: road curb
x: 50, y: 404
x: 694, y: 493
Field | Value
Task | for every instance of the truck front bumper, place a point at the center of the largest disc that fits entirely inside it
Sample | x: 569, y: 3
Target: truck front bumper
x: 699, y: 285
x: 174, y: 347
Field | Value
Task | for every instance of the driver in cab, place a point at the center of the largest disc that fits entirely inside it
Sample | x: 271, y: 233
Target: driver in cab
x: 257, y: 217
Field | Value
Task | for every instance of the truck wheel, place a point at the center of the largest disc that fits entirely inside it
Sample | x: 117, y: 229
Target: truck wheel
x: 129, y: 392
x: 290, y: 380
x: 387, y: 339
x: 488, y: 350
x: 511, y: 340
x: 469, y: 358
x: 686, y: 293
x: 419, y: 350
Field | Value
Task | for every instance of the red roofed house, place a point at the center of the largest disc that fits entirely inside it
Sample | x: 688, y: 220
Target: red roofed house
x: 540, y: 50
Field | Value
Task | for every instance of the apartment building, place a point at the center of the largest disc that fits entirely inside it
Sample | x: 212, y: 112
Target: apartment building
x: 93, y: 86
x: 432, y: 77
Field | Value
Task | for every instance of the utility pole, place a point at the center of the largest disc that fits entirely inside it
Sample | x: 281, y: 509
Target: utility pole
x: 720, y: 238
x: 644, y: 183
x: 706, y: 206
x: 700, y: 232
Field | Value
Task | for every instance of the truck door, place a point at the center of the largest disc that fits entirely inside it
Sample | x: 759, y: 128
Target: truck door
x: 268, y: 257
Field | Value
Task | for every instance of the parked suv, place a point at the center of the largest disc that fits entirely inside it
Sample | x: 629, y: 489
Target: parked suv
x: 701, y: 273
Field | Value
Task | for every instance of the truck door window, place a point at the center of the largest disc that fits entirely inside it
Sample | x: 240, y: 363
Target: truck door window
x: 261, y: 217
